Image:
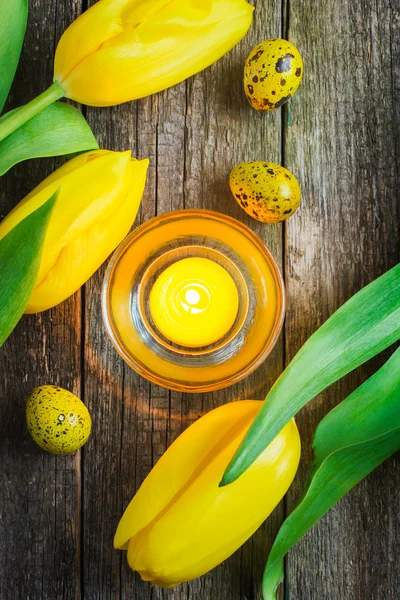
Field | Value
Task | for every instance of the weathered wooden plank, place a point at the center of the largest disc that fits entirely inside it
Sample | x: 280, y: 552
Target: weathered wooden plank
x: 224, y: 130
x: 161, y: 133
x: 104, y: 392
x: 221, y: 131
x: 193, y: 134
x: 39, y: 493
x: 343, y: 145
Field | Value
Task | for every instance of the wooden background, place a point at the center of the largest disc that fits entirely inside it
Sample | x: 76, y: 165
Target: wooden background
x: 58, y: 515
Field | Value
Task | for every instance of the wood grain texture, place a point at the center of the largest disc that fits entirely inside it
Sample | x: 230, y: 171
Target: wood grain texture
x: 39, y: 493
x: 193, y: 134
x: 59, y: 515
x: 343, y: 145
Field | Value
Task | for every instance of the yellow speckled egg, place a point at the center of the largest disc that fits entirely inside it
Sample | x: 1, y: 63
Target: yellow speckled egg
x: 272, y: 73
x: 57, y: 420
x: 267, y: 192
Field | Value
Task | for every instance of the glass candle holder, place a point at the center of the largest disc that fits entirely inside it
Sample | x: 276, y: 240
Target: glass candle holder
x: 156, y: 245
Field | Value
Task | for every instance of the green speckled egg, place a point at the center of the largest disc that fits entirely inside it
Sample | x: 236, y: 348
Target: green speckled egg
x: 57, y: 420
x: 267, y: 192
x: 272, y: 73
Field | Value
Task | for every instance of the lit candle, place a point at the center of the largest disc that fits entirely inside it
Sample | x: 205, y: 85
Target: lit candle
x: 194, y: 302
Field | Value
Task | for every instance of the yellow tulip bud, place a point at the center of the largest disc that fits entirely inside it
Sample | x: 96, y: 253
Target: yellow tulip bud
x: 121, y: 50
x: 100, y: 193
x: 181, y: 524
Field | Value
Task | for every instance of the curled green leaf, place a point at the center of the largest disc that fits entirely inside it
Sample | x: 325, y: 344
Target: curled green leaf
x: 20, y: 255
x: 364, y: 326
x: 13, y: 18
x: 351, y: 441
x: 58, y: 130
x: 371, y: 410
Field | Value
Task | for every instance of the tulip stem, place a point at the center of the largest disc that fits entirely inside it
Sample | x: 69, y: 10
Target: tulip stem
x: 15, y: 118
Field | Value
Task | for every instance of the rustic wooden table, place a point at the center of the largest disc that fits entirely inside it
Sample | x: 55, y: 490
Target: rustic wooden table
x: 58, y: 515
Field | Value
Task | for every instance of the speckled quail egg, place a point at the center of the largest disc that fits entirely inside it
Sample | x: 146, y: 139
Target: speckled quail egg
x: 57, y: 420
x: 272, y: 73
x: 267, y: 192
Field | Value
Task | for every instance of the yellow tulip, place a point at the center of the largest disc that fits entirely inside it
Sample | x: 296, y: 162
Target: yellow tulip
x: 181, y: 524
x: 100, y: 193
x: 121, y: 50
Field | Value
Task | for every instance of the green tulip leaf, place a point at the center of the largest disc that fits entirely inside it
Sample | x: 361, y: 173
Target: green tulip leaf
x: 13, y: 18
x: 59, y: 129
x: 351, y: 441
x: 20, y: 255
x: 364, y: 326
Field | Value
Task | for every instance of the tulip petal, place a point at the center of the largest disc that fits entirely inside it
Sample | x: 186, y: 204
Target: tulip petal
x: 168, y: 44
x: 101, y: 22
x: 96, y: 25
x: 181, y: 524
x: 97, y: 242
x: 100, y: 193
x: 184, y: 457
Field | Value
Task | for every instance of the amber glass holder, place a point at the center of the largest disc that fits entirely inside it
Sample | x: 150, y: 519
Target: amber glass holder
x: 153, y: 247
